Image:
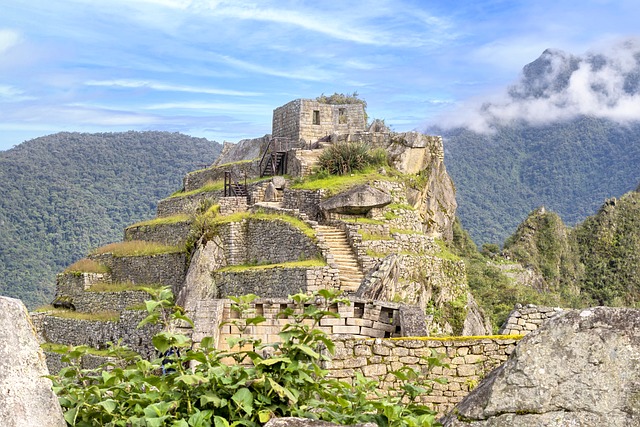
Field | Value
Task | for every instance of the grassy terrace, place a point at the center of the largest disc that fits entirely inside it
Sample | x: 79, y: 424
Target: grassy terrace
x: 294, y: 222
x: 293, y: 264
x: 175, y: 219
x: 100, y: 316
x: 335, y: 184
x: 210, y: 186
x: 137, y: 248
x: 123, y: 286
x: 86, y: 265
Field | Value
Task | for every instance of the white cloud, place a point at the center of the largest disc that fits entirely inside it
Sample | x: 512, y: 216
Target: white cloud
x: 124, y: 83
x: 8, y: 39
x: 603, y: 83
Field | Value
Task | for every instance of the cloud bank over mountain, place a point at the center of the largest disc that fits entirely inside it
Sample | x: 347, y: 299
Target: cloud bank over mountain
x: 559, y: 86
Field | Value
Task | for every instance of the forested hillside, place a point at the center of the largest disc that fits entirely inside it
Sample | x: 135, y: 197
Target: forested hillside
x: 565, y: 135
x: 66, y: 193
x: 569, y: 167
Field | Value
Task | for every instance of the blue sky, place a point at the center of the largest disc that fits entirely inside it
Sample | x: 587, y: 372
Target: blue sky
x: 217, y: 69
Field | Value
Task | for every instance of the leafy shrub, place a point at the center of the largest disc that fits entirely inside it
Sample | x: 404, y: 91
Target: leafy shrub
x: 349, y: 157
x: 246, y: 386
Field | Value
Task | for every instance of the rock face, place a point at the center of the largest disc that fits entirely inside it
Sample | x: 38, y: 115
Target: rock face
x: 581, y: 368
x: 357, y: 200
x: 26, y: 398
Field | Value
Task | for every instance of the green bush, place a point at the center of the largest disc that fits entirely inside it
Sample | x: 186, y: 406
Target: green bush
x: 349, y: 157
x: 247, y: 386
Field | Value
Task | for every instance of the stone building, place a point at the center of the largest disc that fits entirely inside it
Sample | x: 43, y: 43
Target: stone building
x: 307, y: 120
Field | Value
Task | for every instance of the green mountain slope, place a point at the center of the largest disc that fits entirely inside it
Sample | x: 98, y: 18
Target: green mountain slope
x: 66, y: 193
x: 568, y: 167
x: 595, y: 263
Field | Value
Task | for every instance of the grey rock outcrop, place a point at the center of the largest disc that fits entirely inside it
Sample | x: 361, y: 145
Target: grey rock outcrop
x: 581, y: 368
x: 26, y: 397
x: 357, y: 200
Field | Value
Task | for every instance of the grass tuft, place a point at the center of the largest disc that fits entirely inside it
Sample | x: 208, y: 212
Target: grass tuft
x: 100, y: 316
x: 292, y: 264
x: 175, y: 219
x: 123, y: 286
x: 137, y: 248
x: 86, y: 265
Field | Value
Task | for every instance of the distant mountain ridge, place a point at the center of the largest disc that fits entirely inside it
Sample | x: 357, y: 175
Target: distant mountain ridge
x: 68, y: 192
x: 566, y: 136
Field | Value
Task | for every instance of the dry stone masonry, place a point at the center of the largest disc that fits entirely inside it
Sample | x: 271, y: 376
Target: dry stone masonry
x: 525, y: 319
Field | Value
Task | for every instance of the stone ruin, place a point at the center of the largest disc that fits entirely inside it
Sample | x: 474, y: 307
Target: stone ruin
x: 245, y: 224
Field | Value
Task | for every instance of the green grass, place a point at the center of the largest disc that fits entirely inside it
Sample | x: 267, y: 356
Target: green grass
x: 175, y: 219
x: 136, y: 248
x: 86, y: 265
x: 292, y: 264
x: 400, y: 206
x: 293, y: 221
x: 444, y: 251
x: 208, y: 187
x: 335, y: 184
x: 376, y: 254
x: 122, y: 286
x: 100, y: 316
x: 403, y: 231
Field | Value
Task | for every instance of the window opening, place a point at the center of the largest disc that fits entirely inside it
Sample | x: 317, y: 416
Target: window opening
x: 342, y: 116
x: 316, y: 117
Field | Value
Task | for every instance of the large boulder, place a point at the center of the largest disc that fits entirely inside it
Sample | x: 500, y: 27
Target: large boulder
x: 26, y: 397
x: 580, y: 368
x: 357, y: 200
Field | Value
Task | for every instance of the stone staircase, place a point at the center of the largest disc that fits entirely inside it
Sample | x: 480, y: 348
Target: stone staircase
x: 343, y: 257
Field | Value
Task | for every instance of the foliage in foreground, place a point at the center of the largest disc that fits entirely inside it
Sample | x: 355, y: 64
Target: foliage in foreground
x: 245, y: 386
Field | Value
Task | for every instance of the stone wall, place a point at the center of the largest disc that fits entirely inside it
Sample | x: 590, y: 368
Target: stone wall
x: 104, y: 301
x: 469, y: 359
x: 174, y: 234
x: 276, y: 282
x: 71, y: 284
x: 306, y: 201
x: 96, y: 333
x: 189, y: 205
x: 277, y: 241
x: 163, y: 269
x: 524, y: 319
x: 359, y: 319
x: 296, y: 120
x: 231, y: 205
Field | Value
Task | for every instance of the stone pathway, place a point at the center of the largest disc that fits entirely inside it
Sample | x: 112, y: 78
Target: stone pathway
x: 339, y: 249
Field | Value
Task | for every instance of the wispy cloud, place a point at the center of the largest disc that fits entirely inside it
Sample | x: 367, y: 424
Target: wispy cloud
x: 136, y: 84
x: 8, y: 39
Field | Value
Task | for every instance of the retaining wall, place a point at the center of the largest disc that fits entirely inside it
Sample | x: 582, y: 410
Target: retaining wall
x: 277, y: 282
x: 163, y: 269
x: 174, y: 234
x: 189, y: 205
x: 469, y: 358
